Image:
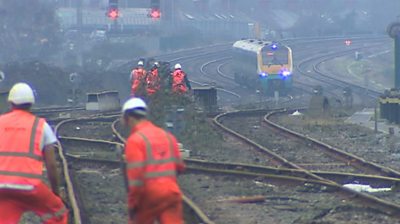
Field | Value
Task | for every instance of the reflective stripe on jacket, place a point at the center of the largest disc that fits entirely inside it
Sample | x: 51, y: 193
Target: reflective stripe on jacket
x: 178, y: 82
x: 152, y: 155
x: 21, y: 161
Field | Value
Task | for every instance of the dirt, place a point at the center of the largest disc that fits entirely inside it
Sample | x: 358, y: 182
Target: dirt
x: 363, y: 142
x: 101, y: 186
x: 88, y: 129
x: 284, y: 204
x: 295, y: 151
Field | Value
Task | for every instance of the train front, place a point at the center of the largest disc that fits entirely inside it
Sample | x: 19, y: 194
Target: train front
x: 275, y: 68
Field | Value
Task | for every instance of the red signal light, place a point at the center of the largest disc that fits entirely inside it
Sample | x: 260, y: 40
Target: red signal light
x: 113, y: 14
x: 155, y: 13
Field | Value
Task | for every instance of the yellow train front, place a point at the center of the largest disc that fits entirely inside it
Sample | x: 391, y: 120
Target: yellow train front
x: 263, y: 65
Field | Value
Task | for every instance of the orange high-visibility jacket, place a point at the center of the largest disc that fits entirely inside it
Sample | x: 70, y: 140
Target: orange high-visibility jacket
x: 137, y: 76
x: 153, y: 160
x: 178, y: 82
x: 153, y: 81
x: 21, y: 160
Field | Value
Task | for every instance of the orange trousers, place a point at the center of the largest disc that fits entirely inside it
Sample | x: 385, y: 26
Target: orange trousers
x: 166, y: 209
x: 41, y: 200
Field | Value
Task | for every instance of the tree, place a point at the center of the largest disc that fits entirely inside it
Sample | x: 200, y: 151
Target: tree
x: 28, y: 29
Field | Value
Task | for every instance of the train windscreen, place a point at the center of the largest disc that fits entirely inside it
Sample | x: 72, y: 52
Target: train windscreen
x: 275, y: 57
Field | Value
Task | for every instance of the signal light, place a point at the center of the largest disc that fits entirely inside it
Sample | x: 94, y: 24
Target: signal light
x: 263, y: 75
x: 347, y: 42
x: 286, y: 73
x: 113, y: 14
x: 155, y: 13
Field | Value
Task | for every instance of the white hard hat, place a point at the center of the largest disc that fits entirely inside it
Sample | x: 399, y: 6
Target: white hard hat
x: 156, y: 64
x: 21, y: 93
x: 135, y: 104
x: 178, y: 66
x: 140, y: 63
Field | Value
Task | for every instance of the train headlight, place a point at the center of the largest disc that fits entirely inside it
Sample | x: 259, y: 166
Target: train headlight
x: 274, y: 47
x: 286, y: 73
x: 263, y: 75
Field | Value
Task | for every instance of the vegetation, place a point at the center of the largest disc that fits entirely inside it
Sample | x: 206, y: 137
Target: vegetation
x: 28, y: 29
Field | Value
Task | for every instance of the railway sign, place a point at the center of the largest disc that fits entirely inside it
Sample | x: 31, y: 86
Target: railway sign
x: 347, y: 42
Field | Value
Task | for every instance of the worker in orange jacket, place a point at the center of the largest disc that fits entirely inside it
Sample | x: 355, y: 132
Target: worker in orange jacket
x: 137, y: 78
x: 153, y: 80
x: 179, y: 81
x: 26, y: 142
x: 153, y: 161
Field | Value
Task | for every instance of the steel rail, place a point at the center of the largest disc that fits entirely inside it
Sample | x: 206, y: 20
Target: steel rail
x: 204, y: 218
x: 190, y: 203
x: 350, y: 158
x: 366, y: 199
x: 325, y: 78
x: 256, y: 169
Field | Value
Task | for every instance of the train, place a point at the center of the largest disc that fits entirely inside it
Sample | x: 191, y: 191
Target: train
x: 265, y: 66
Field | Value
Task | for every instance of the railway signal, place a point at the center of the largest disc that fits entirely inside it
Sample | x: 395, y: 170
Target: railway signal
x: 113, y: 14
x: 113, y: 11
x: 348, y: 42
x: 155, y: 11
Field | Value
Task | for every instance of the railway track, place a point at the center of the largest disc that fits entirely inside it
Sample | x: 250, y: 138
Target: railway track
x: 240, y: 169
x: 339, y: 154
x: 99, y: 169
x: 330, y: 80
x: 368, y: 200
x: 70, y: 188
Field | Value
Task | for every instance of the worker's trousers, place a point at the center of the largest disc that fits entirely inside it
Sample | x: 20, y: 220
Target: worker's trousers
x: 165, y: 210
x: 41, y: 200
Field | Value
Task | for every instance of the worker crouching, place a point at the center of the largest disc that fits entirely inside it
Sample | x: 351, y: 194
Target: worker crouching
x: 153, y: 161
x: 26, y: 142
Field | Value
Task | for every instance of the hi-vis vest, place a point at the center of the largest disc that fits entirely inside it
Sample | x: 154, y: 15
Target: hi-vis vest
x: 178, y: 81
x: 138, y: 74
x: 157, y: 165
x: 153, y: 81
x: 21, y: 161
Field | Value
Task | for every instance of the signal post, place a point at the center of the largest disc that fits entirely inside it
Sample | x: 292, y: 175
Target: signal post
x: 389, y: 102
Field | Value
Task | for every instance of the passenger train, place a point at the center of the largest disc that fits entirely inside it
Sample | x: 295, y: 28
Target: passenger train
x: 263, y: 65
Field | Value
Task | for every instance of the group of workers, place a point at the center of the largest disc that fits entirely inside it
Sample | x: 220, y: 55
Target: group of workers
x: 27, y: 143
x: 152, y: 82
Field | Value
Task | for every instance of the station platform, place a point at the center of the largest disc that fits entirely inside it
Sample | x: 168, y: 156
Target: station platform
x: 366, y: 118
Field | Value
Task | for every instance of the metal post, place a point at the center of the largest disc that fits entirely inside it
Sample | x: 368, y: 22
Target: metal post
x: 376, y: 118
x: 276, y: 97
x: 397, y: 61
x: 79, y: 14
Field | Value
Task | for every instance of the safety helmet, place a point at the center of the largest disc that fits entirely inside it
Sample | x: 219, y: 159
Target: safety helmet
x: 21, y: 93
x: 136, y: 105
x: 178, y: 66
x: 156, y: 64
x: 140, y: 63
